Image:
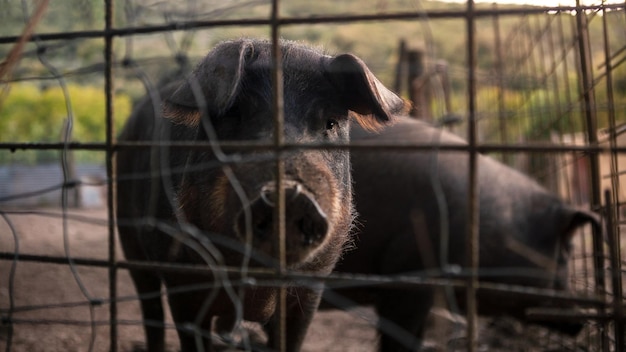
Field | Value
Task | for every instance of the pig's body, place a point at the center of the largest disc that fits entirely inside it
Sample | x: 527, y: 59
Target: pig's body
x: 188, y: 206
x: 410, y: 204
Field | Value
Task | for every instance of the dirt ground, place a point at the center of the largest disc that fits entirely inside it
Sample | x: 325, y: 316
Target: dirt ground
x: 52, y: 310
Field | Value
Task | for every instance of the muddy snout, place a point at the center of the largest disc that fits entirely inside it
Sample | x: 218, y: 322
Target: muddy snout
x: 306, y: 224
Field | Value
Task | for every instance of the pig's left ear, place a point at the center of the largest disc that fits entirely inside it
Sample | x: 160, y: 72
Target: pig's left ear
x: 363, y: 93
x: 575, y: 218
x: 212, y: 86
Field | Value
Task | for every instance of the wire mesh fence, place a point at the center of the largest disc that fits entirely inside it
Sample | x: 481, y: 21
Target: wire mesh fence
x: 540, y: 89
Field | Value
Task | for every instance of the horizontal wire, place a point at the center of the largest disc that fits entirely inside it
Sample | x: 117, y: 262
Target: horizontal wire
x: 285, y: 21
x: 355, y: 145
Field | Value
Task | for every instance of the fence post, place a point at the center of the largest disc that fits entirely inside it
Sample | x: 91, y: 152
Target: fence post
x: 400, y: 67
x: 418, y: 85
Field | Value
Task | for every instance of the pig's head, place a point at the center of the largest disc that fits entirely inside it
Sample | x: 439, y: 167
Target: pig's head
x: 552, y: 236
x: 228, y: 97
x: 536, y: 253
x: 537, y: 242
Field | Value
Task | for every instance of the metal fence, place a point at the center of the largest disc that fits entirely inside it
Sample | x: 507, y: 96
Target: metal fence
x: 64, y: 280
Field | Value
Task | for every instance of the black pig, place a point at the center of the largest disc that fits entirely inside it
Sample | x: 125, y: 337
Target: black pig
x: 410, y: 202
x: 187, y: 206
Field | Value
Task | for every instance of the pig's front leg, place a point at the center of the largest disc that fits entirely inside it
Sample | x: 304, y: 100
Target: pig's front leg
x: 300, y: 308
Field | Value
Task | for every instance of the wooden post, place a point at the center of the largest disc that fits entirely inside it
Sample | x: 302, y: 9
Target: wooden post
x: 400, y: 67
x: 419, y: 85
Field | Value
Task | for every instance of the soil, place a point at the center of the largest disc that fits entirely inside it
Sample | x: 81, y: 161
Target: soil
x: 52, y: 310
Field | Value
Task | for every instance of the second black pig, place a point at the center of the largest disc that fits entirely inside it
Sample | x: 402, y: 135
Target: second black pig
x: 413, y: 216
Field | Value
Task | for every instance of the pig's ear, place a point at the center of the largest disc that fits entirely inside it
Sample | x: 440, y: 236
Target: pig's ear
x: 363, y: 93
x: 212, y: 86
x: 575, y: 218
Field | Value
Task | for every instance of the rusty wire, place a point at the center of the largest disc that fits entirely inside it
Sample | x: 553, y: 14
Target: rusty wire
x: 609, y: 312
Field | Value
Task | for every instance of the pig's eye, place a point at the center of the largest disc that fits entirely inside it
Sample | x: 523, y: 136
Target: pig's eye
x: 331, y: 124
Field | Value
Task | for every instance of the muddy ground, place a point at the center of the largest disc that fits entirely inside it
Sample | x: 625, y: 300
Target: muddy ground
x: 52, y: 313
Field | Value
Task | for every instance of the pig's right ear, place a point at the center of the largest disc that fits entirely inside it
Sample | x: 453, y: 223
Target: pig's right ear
x: 363, y: 93
x: 212, y: 86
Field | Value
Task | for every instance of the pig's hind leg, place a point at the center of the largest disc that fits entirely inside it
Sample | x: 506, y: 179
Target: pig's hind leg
x: 149, y: 289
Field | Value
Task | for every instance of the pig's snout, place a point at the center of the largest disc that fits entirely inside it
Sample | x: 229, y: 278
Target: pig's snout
x: 306, y: 223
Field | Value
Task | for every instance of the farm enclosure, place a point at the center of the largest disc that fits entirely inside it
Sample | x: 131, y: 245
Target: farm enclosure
x: 543, y: 89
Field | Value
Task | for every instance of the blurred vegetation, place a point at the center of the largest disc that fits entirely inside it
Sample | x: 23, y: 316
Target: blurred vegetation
x: 33, y: 114
x: 533, y: 107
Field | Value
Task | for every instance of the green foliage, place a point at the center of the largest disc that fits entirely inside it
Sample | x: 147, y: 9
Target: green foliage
x: 531, y: 108
x: 31, y: 114
x: 497, y: 124
x: 534, y: 114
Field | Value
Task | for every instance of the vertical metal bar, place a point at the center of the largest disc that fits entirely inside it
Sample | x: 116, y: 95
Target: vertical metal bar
x: 472, y: 224
x: 589, y: 112
x: 108, y: 91
x: 500, y: 78
x: 514, y: 44
x: 611, y: 110
x: 575, y: 105
x: 527, y: 73
x: 532, y: 104
x: 612, y: 206
x: 556, y: 159
x: 554, y: 63
x: 539, y: 43
x: 279, y: 211
x: 547, y: 163
x: 616, y: 282
x: 564, y: 50
x: 562, y: 63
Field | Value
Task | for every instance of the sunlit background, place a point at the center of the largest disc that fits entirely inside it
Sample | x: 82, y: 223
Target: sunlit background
x: 546, y: 3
